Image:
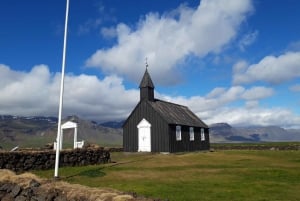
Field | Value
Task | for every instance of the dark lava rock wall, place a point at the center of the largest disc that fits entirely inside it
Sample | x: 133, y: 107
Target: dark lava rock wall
x: 41, y: 160
x: 12, y: 191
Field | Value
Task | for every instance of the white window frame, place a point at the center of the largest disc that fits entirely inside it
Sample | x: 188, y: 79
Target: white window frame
x: 178, y: 133
x: 192, y: 134
x: 202, y: 134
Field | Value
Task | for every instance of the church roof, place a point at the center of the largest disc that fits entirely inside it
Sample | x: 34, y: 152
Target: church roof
x: 176, y: 114
x: 146, y: 81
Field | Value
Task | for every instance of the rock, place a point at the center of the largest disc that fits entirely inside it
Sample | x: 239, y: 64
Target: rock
x: 21, y: 198
x: 39, y: 197
x: 53, y: 193
x: 27, y: 192
x: 16, y: 190
x: 34, y: 183
x: 7, y: 197
x: 37, y: 160
x: 5, y: 187
x: 2, y: 194
x: 61, y: 198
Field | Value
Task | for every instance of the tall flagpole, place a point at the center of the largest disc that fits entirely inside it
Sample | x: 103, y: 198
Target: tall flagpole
x: 58, y: 139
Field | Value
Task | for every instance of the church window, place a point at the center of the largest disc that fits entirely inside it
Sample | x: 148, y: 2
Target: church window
x: 178, y: 133
x: 192, y: 137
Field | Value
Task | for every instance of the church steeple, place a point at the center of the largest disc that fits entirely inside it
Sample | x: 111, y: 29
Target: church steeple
x: 146, y: 87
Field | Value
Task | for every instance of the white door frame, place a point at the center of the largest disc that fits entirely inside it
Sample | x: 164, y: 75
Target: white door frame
x: 144, y: 136
x: 68, y: 125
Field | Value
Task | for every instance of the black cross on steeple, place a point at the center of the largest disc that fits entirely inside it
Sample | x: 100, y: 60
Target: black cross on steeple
x: 146, y: 62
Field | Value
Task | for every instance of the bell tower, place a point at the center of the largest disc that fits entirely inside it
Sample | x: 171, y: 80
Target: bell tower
x: 146, y: 87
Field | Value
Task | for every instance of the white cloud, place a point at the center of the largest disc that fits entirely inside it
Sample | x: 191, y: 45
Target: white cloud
x: 23, y: 90
x: 232, y: 94
x: 220, y: 97
x: 247, y: 40
x: 294, y: 46
x: 251, y: 104
x: 214, y: 107
x: 295, y: 88
x: 253, y: 116
x: 37, y: 93
x: 216, y: 92
x: 240, y: 67
x: 89, y: 25
x: 168, y: 39
x: 108, y: 32
x: 271, y: 69
x: 256, y: 93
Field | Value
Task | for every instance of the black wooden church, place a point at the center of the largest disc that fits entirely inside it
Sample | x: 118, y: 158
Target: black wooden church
x: 159, y: 126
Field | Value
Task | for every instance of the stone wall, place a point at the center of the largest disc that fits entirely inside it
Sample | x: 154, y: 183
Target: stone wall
x: 13, y: 191
x: 21, y: 161
x: 25, y: 187
x: 38, y: 191
x: 271, y: 147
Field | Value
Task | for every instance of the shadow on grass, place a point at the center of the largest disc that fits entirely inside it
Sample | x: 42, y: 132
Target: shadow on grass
x: 140, y: 159
x: 98, y: 171
x: 95, y: 172
x: 92, y: 173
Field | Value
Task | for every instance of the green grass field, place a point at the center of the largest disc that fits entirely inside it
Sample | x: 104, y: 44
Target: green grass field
x: 220, y: 175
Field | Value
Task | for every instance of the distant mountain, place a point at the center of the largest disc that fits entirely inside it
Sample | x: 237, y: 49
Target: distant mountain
x: 113, y: 124
x: 36, y: 118
x: 223, y: 132
x: 96, y: 133
x: 38, y: 131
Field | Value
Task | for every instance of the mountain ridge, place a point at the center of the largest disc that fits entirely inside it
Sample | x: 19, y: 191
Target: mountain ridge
x: 36, y: 131
x: 223, y: 132
x: 39, y: 131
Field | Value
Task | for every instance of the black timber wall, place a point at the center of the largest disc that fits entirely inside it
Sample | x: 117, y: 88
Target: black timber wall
x: 185, y: 144
x: 159, y: 129
x: 146, y: 94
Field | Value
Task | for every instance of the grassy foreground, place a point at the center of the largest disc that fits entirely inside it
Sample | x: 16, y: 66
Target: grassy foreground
x: 220, y: 175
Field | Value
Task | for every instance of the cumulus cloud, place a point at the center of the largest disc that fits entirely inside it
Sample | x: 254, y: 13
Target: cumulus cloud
x: 37, y: 93
x: 220, y: 97
x: 214, y: 107
x: 270, y: 69
x: 243, y: 116
x: 256, y: 93
x: 168, y: 39
x: 24, y: 90
x: 240, y: 67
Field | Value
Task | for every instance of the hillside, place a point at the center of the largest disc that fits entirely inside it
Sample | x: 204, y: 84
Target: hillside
x: 223, y: 132
x: 36, y: 132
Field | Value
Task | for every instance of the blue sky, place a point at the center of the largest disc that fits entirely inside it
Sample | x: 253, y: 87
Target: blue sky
x: 228, y: 61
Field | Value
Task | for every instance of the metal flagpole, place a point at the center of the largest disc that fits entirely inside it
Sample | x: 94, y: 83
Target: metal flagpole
x: 58, y: 139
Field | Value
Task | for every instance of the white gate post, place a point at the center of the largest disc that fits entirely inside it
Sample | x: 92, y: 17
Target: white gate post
x: 75, y: 138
